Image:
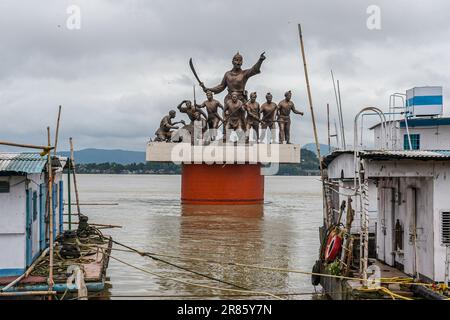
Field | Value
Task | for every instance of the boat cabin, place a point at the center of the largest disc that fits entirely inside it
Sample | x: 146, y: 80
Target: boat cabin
x: 24, y: 225
x: 407, y: 176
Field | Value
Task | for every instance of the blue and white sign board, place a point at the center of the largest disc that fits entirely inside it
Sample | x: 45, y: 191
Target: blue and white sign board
x: 424, y: 101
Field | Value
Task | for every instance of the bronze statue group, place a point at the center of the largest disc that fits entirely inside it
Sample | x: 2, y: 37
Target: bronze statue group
x: 239, y: 113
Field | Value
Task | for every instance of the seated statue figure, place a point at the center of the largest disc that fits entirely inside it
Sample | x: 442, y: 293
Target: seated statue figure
x: 166, y: 127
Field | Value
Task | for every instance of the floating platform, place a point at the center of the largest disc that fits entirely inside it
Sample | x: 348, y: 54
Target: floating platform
x: 223, y: 173
x: 93, y: 261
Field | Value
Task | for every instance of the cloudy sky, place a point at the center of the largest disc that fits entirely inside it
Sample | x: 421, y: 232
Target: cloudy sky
x: 127, y: 64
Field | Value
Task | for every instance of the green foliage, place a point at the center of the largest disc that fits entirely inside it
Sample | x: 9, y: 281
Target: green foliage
x: 334, y: 268
x: 133, y: 168
x: 309, y: 166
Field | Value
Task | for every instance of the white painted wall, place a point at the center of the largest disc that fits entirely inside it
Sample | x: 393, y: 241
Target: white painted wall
x: 432, y: 180
x: 442, y: 203
x: 343, y: 166
x: 12, y: 224
x: 397, y: 202
x: 13, y: 219
x: 431, y: 138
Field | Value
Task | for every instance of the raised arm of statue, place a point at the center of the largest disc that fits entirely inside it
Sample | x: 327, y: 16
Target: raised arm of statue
x: 219, y: 88
x: 179, y: 107
x: 256, y: 68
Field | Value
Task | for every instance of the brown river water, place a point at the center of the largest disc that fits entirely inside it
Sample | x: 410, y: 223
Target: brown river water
x: 282, y: 233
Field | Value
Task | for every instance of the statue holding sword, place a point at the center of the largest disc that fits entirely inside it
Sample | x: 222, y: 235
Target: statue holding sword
x: 233, y: 80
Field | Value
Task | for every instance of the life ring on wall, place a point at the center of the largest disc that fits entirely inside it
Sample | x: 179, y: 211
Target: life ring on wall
x: 334, y: 246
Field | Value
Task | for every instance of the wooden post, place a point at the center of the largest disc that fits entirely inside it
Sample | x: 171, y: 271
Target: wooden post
x: 50, y: 210
x: 310, y: 102
x: 22, y: 145
x: 69, y: 195
x: 74, y: 176
x: 27, y: 293
x: 57, y: 130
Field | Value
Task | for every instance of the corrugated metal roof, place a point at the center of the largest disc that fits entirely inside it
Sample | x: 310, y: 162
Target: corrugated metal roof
x: 22, y: 162
x: 406, y: 154
x: 392, y: 155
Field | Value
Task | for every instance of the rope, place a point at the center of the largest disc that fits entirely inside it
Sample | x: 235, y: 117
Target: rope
x: 183, y: 268
x: 192, y: 283
x: 385, y: 290
x: 395, y: 280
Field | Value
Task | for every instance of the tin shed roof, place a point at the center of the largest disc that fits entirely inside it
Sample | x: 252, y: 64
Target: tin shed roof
x: 22, y: 162
x: 441, y: 155
x: 406, y: 154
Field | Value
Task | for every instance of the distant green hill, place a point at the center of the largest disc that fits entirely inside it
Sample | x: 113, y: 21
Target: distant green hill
x: 324, y: 150
x: 92, y: 155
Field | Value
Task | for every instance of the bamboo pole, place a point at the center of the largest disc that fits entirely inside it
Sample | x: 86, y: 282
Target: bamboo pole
x: 310, y: 101
x: 100, y: 225
x: 328, y: 124
x: 74, y: 176
x: 338, y: 110
x: 27, y: 293
x: 57, y: 131
x: 50, y: 210
x: 94, y: 204
x: 342, y: 117
x: 23, y: 145
x: 69, y: 195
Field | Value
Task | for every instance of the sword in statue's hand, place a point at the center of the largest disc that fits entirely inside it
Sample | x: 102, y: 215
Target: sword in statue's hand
x: 191, y: 64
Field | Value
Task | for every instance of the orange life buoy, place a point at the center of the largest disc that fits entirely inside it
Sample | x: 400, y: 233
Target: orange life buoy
x: 334, y: 246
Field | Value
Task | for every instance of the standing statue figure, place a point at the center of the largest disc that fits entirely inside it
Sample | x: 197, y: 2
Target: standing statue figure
x: 269, y: 112
x: 284, y: 117
x: 214, y: 118
x: 234, y: 112
x: 236, y: 79
x: 252, y: 121
x: 164, y: 132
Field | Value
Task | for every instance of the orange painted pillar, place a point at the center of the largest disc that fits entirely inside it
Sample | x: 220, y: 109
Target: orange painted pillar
x: 222, y: 184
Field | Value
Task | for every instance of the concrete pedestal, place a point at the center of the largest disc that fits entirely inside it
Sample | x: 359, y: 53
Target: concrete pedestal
x: 222, y: 174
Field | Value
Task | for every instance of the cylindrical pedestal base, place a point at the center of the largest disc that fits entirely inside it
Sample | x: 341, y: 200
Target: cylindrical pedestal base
x: 222, y: 184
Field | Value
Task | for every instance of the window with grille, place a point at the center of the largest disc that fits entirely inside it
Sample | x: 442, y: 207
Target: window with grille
x: 4, y: 186
x: 415, y: 142
x: 445, y: 228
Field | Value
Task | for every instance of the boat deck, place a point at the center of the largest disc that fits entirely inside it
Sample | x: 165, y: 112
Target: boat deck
x: 93, y: 260
x: 339, y: 289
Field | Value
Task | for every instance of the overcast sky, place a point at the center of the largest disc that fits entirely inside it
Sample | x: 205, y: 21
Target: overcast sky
x: 127, y: 65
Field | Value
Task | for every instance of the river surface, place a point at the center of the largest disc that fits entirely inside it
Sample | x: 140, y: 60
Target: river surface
x: 283, y: 233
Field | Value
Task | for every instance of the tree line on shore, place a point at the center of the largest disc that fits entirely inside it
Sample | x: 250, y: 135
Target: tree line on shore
x: 309, y: 166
